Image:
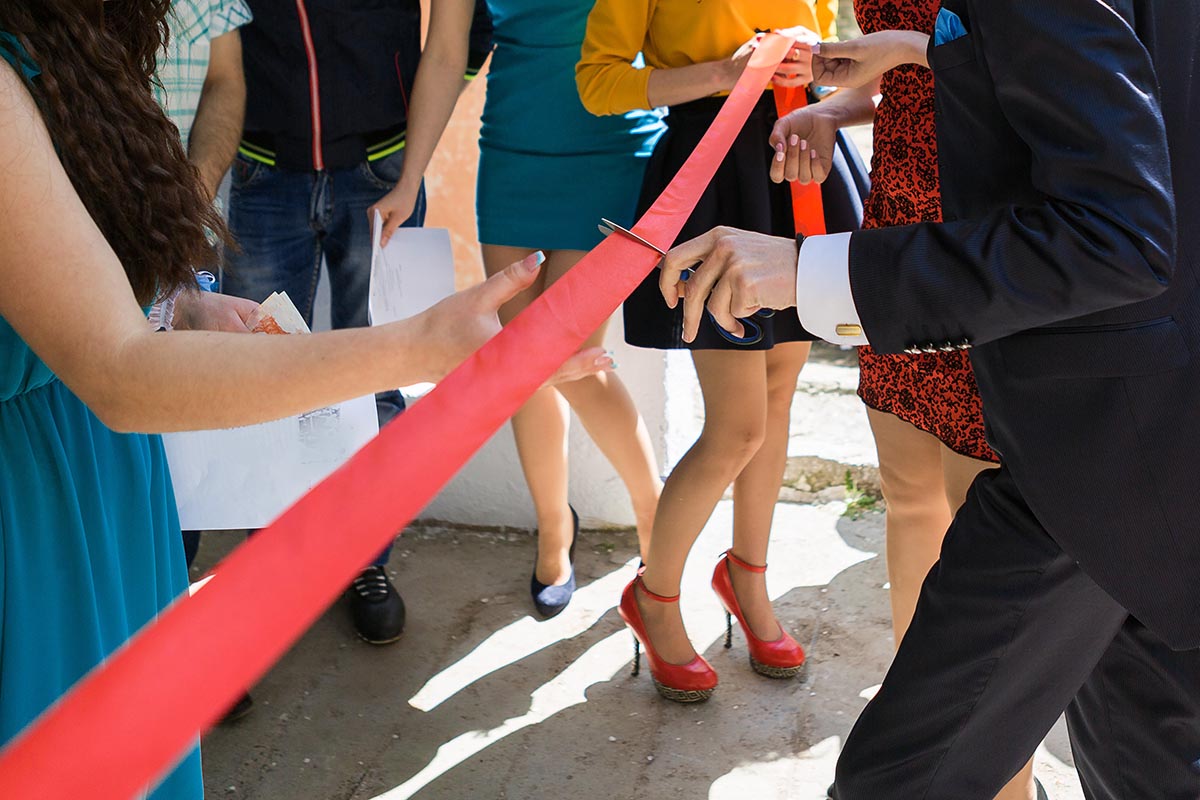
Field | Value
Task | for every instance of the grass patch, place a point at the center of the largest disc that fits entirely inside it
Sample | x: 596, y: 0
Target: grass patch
x: 858, y: 502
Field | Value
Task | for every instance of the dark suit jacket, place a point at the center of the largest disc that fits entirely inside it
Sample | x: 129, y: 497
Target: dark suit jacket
x: 1069, y: 146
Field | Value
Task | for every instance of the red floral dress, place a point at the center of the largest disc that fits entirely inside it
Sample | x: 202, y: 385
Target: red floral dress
x: 936, y: 393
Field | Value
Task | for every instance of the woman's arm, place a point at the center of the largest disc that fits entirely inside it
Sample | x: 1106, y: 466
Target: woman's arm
x: 438, y: 84
x: 861, y: 61
x: 64, y: 292
x: 668, y: 87
x: 607, y: 80
x: 804, y: 140
x: 610, y: 84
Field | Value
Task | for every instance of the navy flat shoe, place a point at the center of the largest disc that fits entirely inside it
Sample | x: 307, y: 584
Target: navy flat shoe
x: 551, y: 600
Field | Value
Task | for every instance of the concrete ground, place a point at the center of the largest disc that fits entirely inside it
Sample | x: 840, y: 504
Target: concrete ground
x: 480, y: 701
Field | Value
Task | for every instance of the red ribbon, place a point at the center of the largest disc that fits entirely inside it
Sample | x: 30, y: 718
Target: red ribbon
x: 126, y: 723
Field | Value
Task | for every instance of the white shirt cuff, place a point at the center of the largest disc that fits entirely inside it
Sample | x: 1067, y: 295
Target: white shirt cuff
x: 823, y: 298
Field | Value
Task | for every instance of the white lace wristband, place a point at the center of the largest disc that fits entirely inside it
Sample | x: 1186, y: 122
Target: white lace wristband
x: 162, y: 313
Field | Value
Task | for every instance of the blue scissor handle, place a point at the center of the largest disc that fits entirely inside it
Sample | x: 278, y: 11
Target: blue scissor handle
x: 754, y: 331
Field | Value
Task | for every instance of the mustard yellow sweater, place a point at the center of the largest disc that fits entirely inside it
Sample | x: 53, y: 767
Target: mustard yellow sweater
x: 675, y: 33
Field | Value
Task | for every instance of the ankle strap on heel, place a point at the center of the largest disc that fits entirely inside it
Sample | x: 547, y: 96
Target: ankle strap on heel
x: 658, y: 597
x: 744, y: 564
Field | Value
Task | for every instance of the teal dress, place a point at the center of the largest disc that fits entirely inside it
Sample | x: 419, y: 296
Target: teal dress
x: 90, y: 549
x: 548, y: 169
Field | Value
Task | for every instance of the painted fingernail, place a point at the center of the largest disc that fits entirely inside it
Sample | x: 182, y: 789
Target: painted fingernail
x: 779, y: 156
x: 534, y: 260
x: 794, y: 140
x: 812, y: 153
x: 816, y: 49
x: 804, y: 144
x: 605, y: 361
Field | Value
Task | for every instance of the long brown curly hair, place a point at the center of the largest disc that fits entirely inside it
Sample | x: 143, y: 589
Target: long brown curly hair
x: 122, y: 154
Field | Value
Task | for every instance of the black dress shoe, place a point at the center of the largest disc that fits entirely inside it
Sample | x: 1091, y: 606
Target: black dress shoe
x: 241, y: 708
x: 376, y: 607
x: 550, y: 601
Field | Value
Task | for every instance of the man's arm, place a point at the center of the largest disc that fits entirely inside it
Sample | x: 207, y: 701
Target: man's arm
x: 220, y: 113
x: 1079, y: 89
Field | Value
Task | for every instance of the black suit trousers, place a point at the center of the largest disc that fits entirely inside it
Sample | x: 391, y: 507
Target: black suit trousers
x: 1007, y: 634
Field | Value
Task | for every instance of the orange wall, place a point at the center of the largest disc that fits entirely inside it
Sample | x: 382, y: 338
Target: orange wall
x: 450, y: 182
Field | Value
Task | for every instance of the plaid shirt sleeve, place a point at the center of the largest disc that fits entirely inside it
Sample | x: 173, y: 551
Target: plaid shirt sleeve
x: 227, y: 15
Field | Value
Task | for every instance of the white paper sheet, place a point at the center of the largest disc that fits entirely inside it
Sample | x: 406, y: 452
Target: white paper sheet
x: 246, y: 477
x: 414, y: 272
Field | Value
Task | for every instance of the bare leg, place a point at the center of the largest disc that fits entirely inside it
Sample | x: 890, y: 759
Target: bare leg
x: 735, y: 420
x: 607, y: 412
x: 958, y: 473
x: 924, y: 483
x: 910, y: 471
x: 756, y: 489
x: 540, y: 428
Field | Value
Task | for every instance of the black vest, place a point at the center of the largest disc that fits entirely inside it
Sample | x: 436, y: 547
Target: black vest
x: 326, y: 79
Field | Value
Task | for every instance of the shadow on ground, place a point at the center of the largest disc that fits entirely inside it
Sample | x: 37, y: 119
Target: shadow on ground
x: 480, y: 701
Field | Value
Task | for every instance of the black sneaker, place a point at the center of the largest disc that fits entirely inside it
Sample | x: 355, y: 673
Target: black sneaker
x: 376, y: 607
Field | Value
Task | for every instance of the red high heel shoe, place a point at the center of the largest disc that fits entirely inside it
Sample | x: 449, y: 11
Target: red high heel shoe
x: 782, y: 658
x: 692, y: 682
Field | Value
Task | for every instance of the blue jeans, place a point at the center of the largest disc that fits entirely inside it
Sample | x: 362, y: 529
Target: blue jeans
x: 286, y: 222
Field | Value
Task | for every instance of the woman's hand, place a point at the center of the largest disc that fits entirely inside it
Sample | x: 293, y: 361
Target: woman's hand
x: 459, y: 325
x: 857, y: 62
x: 804, y: 141
x: 796, y: 68
x: 395, y: 207
x: 584, y: 364
x: 206, y: 311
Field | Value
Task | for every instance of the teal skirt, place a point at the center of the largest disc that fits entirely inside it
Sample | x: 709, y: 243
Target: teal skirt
x: 548, y: 169
x: 90, y: 552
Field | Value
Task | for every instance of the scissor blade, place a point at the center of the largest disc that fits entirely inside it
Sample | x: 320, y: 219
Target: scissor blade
x: 608, y: 227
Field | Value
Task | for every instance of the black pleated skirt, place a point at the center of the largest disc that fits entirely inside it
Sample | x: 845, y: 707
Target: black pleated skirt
x: 741, y: 195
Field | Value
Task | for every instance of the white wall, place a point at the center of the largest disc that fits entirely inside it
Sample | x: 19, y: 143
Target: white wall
x: 491, y: 491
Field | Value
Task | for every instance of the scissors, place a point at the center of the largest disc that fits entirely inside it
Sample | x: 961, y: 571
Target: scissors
x: 754, y: 331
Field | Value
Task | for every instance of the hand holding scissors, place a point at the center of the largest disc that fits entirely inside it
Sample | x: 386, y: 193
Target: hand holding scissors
x: 752, y: 332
